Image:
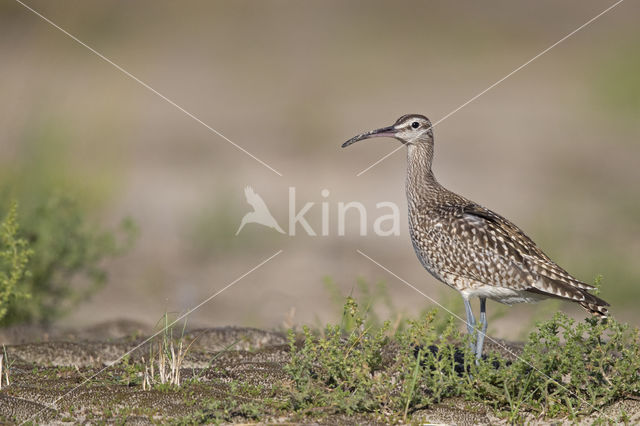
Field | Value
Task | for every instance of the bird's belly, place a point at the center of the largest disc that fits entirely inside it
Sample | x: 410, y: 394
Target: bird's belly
x: 505, y: 295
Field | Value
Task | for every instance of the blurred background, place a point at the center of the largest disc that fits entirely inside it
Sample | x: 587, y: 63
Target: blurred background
x: 555, y: 148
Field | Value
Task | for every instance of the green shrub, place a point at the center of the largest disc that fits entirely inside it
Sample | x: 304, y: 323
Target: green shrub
x: 14, y: 255
x: 66, y: 266
x: 566, y: 369
x: 365, y: 370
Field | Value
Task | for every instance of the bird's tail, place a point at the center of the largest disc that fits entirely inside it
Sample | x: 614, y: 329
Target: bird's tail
x: 596, y: 307
x: 563, y: 290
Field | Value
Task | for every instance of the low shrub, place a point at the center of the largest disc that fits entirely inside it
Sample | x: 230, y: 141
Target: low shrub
x: 14, y: 256
x: 66, y: 265
x: 567, y: 369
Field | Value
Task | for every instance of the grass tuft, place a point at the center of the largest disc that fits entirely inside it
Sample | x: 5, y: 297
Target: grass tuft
x: 166, y: 356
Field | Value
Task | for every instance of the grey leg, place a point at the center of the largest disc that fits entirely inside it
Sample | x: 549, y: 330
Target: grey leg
x: 471, y: 322
x: 483, y: 330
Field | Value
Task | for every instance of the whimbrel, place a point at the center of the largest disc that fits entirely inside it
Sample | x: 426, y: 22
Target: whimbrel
x: 469, y: 247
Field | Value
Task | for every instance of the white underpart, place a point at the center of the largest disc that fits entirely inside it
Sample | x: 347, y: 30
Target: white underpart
x: 504, y: 295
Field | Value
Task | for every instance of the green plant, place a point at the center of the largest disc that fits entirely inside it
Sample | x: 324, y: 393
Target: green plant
x: 371, y: 297
x: 567, y: 368
x: 361, y: 370
x: 14, y: 256
x: 377, y: 303
x: 68, y: 253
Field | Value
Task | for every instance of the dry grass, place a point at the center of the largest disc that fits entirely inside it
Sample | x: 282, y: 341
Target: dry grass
x: 166, y: 356
x: 5, y: 367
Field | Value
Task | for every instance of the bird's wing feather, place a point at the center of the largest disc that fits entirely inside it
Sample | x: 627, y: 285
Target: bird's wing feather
x: 484, y: 247
x: 538, y: 262
x: 474, y: 251
x: 487, y: 248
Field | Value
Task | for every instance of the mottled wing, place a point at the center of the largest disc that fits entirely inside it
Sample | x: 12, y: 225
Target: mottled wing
x: 465, y: 247
x: 485, y: 247
x: 539, y: 262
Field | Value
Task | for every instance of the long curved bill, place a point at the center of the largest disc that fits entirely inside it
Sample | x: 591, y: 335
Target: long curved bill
x: 383, y: 132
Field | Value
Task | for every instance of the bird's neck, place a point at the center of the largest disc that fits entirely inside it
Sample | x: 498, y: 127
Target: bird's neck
x: 422, y: 187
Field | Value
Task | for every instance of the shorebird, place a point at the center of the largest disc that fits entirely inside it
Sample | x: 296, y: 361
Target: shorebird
x: 260, y: 213
x: 469, y: 247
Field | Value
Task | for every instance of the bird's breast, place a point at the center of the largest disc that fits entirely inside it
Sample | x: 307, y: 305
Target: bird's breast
x: 428, y: 242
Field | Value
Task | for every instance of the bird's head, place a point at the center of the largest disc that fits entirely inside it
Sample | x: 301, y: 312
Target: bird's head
x: 410, y: 129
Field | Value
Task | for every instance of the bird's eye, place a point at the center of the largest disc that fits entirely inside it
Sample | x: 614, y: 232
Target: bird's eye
x: 415, y: 124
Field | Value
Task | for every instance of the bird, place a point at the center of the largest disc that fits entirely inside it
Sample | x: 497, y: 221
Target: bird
x: 260, y: 213
x: 470, y: 248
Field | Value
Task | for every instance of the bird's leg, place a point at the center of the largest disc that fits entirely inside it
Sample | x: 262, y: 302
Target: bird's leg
x: 471, y: 322
x: 481, y: 333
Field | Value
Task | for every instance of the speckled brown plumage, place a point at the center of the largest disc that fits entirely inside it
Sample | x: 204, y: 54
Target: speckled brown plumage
x: 472, y: 249
x: 468, y: 247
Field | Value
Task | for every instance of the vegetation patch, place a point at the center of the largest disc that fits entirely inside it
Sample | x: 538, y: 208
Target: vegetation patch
x: 54, y: 259
x: 567, y: 369
x: 14, y: 256
x: 358, y: 371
